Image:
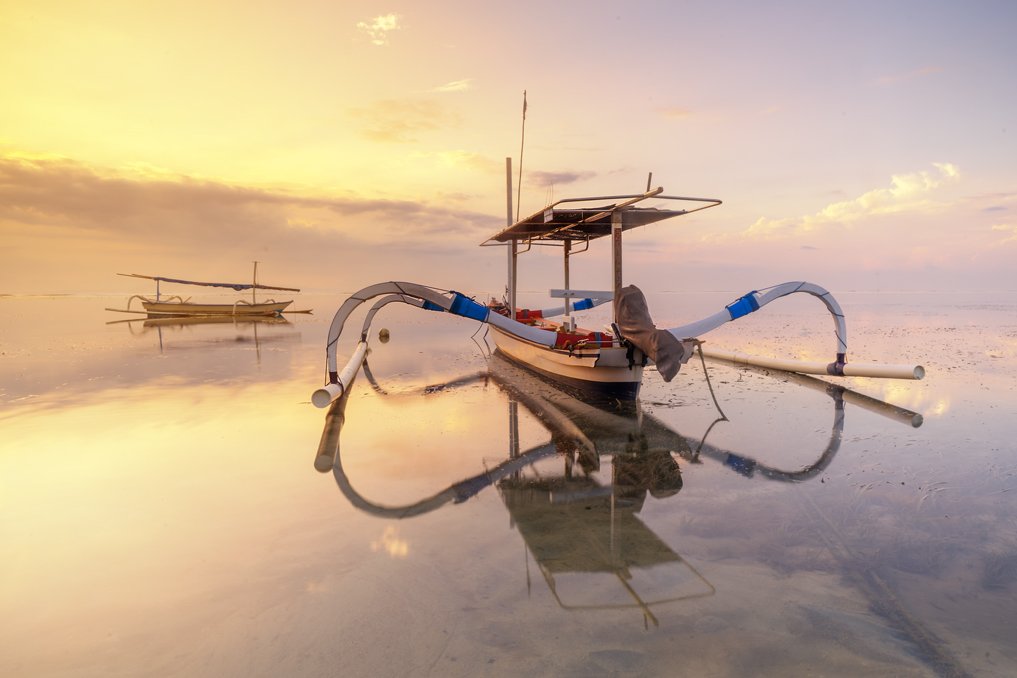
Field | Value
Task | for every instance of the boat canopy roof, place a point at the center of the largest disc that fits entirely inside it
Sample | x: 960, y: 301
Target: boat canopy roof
x: 570, y: 219
x: 233, y: 286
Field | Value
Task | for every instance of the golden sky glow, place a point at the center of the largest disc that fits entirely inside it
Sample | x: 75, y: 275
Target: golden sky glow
x: 343, y: 143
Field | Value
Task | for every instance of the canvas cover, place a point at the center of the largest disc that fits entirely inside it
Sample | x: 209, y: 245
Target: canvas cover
x: 635, y: 324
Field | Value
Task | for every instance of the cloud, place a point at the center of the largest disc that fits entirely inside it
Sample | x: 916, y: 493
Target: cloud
x: 378, y: 28
x: 53, y: 196
x: 1009, y: 229
x: 399, y: 120
x: 66, y: 227
x: 454, y: 86
x: 907, y: 193
x: 542, y: 178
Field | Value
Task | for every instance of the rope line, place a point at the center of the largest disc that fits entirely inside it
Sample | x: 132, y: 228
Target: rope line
x: 699, y: 349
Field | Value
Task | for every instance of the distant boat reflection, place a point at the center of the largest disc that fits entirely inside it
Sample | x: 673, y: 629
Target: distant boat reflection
x: 166, y: 326
x: 575, y: 519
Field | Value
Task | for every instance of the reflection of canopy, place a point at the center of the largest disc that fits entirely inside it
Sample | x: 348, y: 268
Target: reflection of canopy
x: 578, y: 537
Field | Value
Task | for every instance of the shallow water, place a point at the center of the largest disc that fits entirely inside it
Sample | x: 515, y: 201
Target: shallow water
x: 160, y: 513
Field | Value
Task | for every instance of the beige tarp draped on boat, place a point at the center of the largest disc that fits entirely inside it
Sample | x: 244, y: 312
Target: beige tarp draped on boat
x: 635, y: 324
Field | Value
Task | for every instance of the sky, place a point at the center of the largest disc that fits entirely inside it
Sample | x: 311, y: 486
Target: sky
x: 860, y: 146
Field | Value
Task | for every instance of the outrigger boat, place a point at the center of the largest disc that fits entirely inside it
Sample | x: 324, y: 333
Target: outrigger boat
x: 608, y: 363
x: 175, y: 305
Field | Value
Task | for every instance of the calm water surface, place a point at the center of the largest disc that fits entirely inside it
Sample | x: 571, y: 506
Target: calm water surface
x: 161, y: 514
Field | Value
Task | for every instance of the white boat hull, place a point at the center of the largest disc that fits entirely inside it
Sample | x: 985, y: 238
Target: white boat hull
x: 604, y: 372
x: 189, y: 309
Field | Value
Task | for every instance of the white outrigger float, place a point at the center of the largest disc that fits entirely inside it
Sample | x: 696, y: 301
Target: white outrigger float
x: 605, y: 363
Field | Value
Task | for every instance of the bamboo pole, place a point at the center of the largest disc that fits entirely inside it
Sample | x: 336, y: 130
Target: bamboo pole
x: 811, y: 367
x: 157, y: 278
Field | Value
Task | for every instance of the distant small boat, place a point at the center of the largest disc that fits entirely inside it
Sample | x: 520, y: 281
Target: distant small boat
x: 174, y: 305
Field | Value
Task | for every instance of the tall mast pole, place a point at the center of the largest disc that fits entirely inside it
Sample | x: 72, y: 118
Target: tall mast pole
x: 522, y: 144
x: 510, y: 288
x: 567, y: 248
x: 513, y: 253
x: 616, y: 250
x: 254, y: 290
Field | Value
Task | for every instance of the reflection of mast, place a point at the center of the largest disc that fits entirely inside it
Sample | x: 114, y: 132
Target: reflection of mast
x: 513, y: 428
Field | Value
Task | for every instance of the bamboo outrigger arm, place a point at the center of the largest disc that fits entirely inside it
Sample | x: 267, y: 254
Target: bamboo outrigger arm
x: 756, y: 299
x: 424, y: 297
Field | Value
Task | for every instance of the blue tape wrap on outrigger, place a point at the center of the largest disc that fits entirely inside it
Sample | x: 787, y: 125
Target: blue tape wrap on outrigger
x: 466, y: 307
x: 743, y: 306
x: 582, y: 305
x: 431, y: 306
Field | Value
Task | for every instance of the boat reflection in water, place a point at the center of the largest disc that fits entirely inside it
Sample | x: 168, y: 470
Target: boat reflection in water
x: 166, y: 325
x: 580, y: 522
